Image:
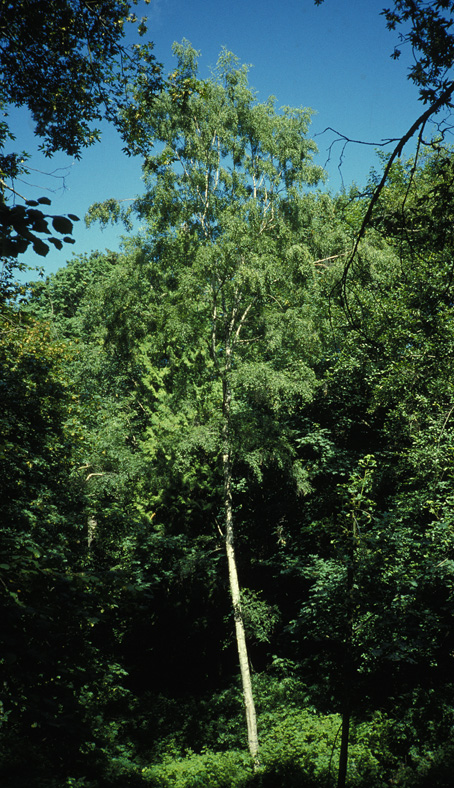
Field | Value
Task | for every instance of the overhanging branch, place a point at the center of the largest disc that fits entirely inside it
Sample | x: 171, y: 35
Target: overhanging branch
x: 443, y: 100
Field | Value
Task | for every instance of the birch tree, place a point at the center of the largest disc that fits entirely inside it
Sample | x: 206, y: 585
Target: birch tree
x: 220, y: 266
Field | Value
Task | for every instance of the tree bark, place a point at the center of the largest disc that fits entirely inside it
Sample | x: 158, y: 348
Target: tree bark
x: 248, y: 697
x: 92, y: 525
x: 349, y: 669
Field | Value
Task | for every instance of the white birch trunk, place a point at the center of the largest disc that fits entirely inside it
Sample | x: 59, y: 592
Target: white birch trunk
x: 91, y: 531
x: 251, y: 717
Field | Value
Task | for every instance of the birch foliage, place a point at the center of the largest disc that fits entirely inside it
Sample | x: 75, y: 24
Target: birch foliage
x: 227, y: 293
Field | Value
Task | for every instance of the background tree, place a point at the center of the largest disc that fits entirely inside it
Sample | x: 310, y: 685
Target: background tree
x: 391, y: 391
x: 427, y: 29
x: 71, y: 535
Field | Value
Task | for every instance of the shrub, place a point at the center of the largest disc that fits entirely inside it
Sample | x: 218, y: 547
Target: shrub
x: 207, y: 770
x: 303, y: 747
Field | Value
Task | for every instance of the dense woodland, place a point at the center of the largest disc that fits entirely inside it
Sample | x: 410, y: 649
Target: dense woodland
x: 227, y: 460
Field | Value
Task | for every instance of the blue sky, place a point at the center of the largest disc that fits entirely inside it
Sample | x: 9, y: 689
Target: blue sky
x: 334, y: 58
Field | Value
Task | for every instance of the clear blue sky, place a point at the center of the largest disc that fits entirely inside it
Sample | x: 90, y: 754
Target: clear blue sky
x: 334, y: 58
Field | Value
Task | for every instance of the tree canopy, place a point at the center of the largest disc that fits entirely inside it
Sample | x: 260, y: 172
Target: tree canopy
x: 70, y: 68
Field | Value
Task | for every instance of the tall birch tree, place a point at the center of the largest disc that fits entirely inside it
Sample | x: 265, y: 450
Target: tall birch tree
x: 226, y: 289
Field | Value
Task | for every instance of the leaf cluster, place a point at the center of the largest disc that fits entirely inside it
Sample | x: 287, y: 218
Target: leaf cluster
x: 431, y: 39
x: 69, y: 66
x: 22, y: 225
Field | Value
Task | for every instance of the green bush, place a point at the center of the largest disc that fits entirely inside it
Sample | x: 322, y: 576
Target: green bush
x: 300, y: 749
x: 303, y: 747
x: 207, y: 770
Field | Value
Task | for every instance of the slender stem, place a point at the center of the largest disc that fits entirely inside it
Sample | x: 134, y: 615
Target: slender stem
x: 251, y: 717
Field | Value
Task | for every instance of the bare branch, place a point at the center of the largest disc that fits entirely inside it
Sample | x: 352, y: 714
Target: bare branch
x: 327, y: 259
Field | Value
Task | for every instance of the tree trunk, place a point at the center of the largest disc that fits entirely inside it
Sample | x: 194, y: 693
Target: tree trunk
x: 343, y: 755
x: 251, y: 717
x: 92, y: 525
x: 349, y: 669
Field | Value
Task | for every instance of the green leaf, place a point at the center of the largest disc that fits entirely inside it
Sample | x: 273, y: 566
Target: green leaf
x: 62, y: 225
x: 40, y: 247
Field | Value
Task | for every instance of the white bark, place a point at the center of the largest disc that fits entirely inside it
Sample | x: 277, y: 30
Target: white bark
x: 249, y: 705
x: 91, y: 530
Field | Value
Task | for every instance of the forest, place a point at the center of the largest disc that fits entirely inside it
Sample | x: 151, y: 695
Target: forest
x: 227, y: 451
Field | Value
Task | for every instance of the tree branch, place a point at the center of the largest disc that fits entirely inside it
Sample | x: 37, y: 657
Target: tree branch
x: 420, y: 123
